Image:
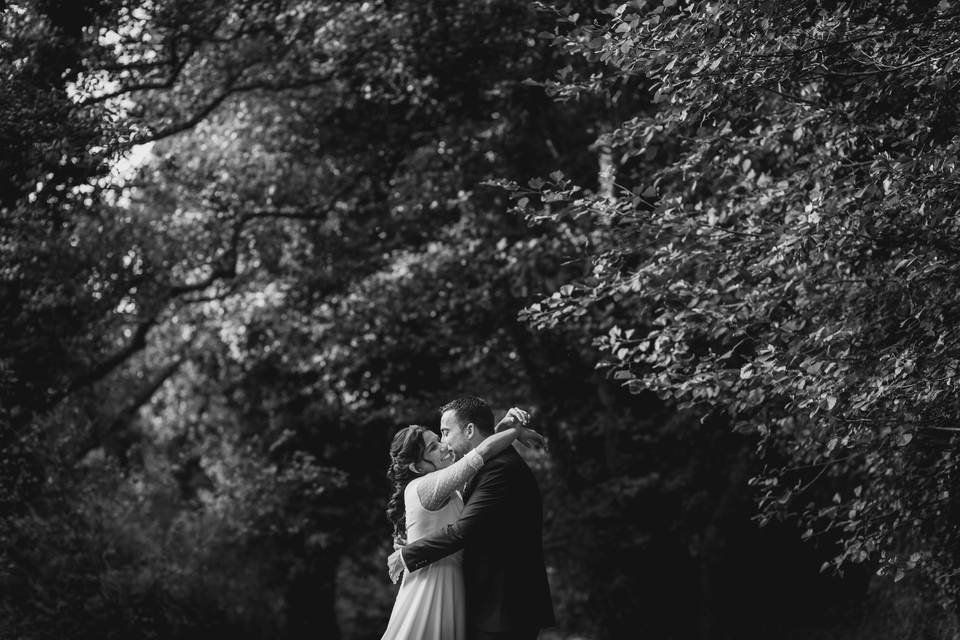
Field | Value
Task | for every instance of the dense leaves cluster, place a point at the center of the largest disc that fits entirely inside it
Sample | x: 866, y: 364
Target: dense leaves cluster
x: 780, y: 234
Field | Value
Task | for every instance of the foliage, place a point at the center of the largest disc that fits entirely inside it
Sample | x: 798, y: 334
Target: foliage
x: 779, y: 239
x: 208, y: 349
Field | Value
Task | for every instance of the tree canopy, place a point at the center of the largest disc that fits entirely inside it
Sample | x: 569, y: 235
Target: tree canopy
x: 707, y: 243
x: 779, y: 237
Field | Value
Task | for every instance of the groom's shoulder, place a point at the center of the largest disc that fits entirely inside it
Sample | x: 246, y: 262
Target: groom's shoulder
x: 506, y: 459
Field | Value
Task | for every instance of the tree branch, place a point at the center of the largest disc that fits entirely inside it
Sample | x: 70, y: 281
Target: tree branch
x: 230, y: 89
x: 190, y: 122
x: 99, y: 371
x: 146, y: 393
x: 177, y: 62
x: 123, y: 418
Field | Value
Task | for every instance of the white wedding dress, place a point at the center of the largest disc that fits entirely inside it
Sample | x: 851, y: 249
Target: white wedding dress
x: 431, y: 604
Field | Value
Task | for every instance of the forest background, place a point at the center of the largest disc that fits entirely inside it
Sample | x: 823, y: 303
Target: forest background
x: 710, y: 245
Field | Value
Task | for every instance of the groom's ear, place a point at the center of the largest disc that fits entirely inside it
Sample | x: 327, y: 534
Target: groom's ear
x: 469, y: 430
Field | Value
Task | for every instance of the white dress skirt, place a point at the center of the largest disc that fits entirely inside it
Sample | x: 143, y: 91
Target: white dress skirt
x: 431, y: 603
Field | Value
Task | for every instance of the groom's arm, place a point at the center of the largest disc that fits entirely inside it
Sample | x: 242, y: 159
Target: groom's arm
x: 480, y: 515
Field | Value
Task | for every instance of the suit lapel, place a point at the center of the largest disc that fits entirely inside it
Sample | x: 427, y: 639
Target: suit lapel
x: 472, y: 483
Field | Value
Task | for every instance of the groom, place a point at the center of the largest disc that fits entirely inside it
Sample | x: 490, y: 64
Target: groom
x: 500, y: 531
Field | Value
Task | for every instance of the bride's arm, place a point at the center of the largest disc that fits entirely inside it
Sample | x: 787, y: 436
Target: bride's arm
x: 511, y: 427
x: 434, y: 489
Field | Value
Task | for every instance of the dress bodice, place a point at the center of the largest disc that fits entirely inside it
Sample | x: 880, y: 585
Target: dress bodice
x: 433, y: 501
x: 421, y: 521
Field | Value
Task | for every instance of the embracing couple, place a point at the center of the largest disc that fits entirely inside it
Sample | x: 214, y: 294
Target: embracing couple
x: 470, y: 513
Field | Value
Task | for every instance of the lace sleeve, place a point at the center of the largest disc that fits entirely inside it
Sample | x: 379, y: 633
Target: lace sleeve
x: 434, y: 489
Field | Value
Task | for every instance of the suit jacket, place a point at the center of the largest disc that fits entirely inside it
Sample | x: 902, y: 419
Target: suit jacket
x: 501, y: 534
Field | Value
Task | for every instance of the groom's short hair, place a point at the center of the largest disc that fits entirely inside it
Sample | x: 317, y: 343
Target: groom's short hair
x: 472, y: 410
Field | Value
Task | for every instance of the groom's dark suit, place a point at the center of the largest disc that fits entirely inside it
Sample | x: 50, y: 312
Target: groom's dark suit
x: 501, y: 533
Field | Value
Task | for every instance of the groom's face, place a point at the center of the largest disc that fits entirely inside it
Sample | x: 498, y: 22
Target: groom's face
x: 452, y: 433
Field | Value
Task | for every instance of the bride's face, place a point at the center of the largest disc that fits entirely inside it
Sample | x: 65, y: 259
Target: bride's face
x: 436, y: 455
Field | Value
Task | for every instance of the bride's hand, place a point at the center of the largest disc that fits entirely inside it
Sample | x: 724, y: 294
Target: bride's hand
x: 516, y: 417
x: 395, y: 566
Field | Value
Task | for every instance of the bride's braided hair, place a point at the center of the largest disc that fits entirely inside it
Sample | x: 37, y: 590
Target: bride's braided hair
x: 407, y: 448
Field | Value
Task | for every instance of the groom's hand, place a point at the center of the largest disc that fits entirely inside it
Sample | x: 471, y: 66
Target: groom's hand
x: 530, y: 438
x: 395, y: 566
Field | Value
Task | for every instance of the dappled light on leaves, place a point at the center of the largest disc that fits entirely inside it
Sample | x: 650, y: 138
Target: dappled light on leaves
x: 708, y: 244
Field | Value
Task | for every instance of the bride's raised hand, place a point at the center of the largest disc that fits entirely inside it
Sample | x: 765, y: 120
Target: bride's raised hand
x: 516, y: 417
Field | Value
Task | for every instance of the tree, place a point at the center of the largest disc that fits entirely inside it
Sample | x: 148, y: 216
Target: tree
x: 779, y: 239
x: 211, y: 356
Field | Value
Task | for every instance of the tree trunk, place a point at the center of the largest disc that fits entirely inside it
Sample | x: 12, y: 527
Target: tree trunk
x: 310, y: 599
x: 607, y: 174
x: 712, y: 542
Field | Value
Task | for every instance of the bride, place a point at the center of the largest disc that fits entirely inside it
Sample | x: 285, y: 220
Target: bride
x: 427, y: 485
